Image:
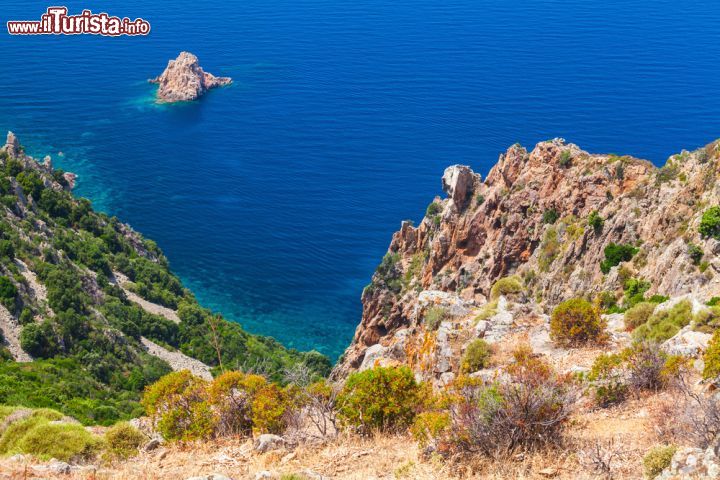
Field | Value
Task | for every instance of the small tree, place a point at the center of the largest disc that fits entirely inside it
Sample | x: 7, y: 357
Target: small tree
x: 576, y: 322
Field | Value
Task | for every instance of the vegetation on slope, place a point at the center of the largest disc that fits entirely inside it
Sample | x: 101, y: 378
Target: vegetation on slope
x: 85, y: 337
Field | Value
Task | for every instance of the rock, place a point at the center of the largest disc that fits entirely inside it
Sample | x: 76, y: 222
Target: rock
x: 687, y: 342
x: 184, y: 80
x: 457, y: 182
x: 213, y: 476
x: 12, y: 145
x: 152, y: 445
x: 689, y: 462
x: 263, y: 475
x: 373, y: 354
x: 70, y: 179
x: 311, y: 475
x: 267, y: 442
x: 59, y: 468
x: 548, y: 472
x: 47, y: 162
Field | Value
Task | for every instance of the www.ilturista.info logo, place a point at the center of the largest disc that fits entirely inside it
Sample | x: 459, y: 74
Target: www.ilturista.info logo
x: 56, y: 21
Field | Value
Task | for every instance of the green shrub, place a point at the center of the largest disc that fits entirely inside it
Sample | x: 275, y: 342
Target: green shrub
x: 634, y: 291
x: 576, y: 322
x: 434, y: 316
x: 711, y: 357
x: 565, y: 159
x: 707, y: 321
x: 665, y: 323
x: 550, y: 216
x: 507, y: 286
x: 710, y: 223
x: 433, y: 209
x: 8, y: 292
x: 31, y: 432
x: 62, y: 441
x: 657, y: 460
x: 695, y: 253
x: 615, y: 254
x: 476, y: 356
x: 384, y: 398
x: 123, y: 441
x: 39, y: 340
x: 596, y: 221
x: 638, y: 315
x: 549, y: 249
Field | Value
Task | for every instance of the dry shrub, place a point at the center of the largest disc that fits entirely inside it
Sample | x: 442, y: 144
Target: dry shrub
x: 527, y: 410
x: 690, y: 417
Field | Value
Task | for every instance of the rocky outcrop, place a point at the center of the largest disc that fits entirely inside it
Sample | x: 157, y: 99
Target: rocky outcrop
x: 178, y: 361
x: 184, y: 80
x: 530, y: 218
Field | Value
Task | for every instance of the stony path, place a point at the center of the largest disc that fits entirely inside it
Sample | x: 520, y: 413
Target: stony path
x: 11, y: 332
x: 39, y: 291
x: 177, y: 360
x: 149, y: 307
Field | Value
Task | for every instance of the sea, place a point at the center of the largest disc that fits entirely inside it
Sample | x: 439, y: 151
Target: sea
x: 275, y: 198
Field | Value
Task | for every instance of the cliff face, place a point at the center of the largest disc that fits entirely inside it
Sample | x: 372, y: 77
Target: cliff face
x: 530, y: 217
x: 184, y: 80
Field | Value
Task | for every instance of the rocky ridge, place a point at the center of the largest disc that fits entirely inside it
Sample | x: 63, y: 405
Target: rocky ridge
x: 530, y: 218
x: 184, y: 80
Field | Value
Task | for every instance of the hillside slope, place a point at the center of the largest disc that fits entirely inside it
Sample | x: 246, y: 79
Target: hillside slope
x: 90, y: 312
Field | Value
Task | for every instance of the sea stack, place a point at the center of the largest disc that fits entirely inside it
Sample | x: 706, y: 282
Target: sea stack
x: 184, y: 80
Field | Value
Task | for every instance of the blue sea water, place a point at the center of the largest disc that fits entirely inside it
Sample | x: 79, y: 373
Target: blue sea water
x: 275, y: 198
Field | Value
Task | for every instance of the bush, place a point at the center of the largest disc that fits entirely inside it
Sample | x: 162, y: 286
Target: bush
x: 62, y: 441
x: 179, y: 403
x: 271, y: 407
x: 476, y: 356
x: 123, y: 441
x: 429, y: 426
x: 565, y: 159
x: 695, y: 253
x: 433, y: 209
x: 550, y: 216
x: 710, y: 223
x: 434, y: 316
x: 384, y: 398
x: 39, y: 340
x: 232, y: 395
x: 576, y: 322
x: 519, y: 414
x: 507, y: 286
x: 664, y: 324
x: 596, y: 221
x: 608, y: 380
x: 638, y: 315
x: 711, y: 357
x: 657, y: 460
x: 614, y: 254
x: 634, y: 290
x: 31, y: 432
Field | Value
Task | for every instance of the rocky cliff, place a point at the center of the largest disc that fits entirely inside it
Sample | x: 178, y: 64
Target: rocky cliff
x: 546, y: 216
x: 184, y: 80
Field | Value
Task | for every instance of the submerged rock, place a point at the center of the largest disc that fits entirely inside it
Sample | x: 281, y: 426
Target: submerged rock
x: 184, y: 80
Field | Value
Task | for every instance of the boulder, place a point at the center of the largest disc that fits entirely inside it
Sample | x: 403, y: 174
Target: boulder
x: 268, y: 442
x: 184, y: 80
x: 212, y: 476
x: 687, y: 342
x: 12, y: 145
x: 458, y: 183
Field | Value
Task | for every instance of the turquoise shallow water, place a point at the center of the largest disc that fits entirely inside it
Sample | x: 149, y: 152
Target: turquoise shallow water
x: 275, y: 198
